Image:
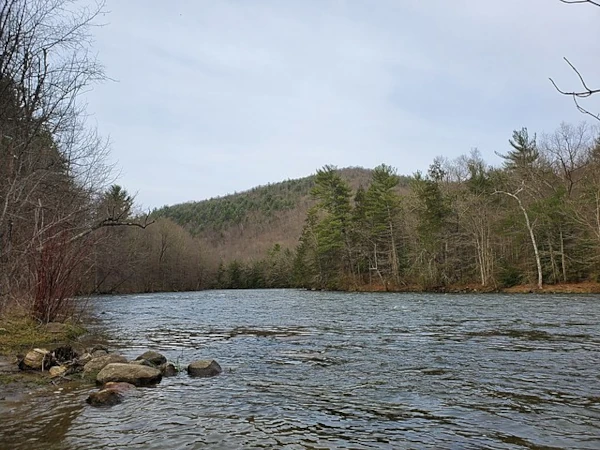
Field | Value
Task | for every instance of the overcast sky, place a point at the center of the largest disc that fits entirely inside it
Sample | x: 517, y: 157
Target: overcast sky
x: 216, y: 96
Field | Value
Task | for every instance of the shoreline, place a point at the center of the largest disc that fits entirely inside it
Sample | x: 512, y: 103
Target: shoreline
x: 561, y: 288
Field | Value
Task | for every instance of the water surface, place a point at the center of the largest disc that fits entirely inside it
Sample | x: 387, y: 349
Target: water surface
x: 333, y: 370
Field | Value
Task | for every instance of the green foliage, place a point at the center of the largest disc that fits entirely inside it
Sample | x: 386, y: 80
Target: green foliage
x: 524, y: 152
x: 510, y: 275
x: 223, y: 212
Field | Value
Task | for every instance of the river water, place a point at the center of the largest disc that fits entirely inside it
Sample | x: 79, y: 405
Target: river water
x: 323, y: 370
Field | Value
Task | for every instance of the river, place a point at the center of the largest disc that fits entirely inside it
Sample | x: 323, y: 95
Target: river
x: 322, y: 370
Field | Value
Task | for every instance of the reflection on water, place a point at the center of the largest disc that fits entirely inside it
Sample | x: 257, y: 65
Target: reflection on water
x: 331, y: 370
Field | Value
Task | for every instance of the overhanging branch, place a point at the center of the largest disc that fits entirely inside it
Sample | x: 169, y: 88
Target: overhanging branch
x: 576, y: 95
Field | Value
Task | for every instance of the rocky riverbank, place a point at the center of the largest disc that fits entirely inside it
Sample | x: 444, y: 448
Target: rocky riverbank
x: 110, y: 376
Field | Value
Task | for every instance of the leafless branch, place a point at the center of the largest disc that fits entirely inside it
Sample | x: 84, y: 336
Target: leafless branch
x: 589, y: 2
x: 584, y: 93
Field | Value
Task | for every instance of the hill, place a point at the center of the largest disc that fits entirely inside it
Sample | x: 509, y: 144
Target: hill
x: 244, y: 226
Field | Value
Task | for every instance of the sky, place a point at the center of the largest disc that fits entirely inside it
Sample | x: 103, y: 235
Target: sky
x: 211, y: 97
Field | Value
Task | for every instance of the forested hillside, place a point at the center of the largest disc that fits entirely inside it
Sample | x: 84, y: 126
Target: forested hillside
x: 532, y: 220
x: 244, y: 226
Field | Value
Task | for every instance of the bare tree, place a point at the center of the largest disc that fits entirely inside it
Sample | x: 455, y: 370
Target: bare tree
x: 53, y: 167
x: 585, y: 90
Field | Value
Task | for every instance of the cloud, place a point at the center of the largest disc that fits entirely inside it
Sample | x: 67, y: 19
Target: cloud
x: 216, y: 97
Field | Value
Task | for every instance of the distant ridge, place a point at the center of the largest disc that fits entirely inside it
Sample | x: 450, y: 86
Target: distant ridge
x: 245, y: 225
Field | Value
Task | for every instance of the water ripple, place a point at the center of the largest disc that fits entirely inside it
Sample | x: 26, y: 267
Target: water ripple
x: 332, y: 370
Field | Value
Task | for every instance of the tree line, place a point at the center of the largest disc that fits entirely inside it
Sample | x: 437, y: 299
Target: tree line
x: 535, y: 219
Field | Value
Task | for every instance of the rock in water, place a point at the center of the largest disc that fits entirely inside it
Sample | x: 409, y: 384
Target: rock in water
x: 98, y: 363
x: 142, y: 362
x: 36, y: 359
x: 99, y: 350
x: 135, y: 374
x: 110, y: 394
x: 168, y: 370
x: 204, y: 368
x: 105, y: 397
x: 152, y: 357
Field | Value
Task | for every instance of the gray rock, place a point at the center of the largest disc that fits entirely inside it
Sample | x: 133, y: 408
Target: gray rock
x: 152, y: 357
x: 168, y: 370
x: 99, y: 350
x: 99, y: 347
x: 135, y: 374
x: 204, y: 368
x: 84, y: 359
x: 97, y: 364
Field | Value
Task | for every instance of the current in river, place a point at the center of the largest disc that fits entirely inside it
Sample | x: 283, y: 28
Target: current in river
x: 322, y: 370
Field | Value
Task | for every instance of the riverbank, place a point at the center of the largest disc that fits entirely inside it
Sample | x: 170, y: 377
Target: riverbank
x: 561, y: 288
x: 18, y: 335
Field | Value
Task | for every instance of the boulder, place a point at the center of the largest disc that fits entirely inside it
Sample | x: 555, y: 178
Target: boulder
x: 105, y: 397
x: 84, y: 359
x: 58, y: 371
x: 152, y: 357
x: 168, y: 370
x: 204, y: 368
x: 99, y: 350
x: 110, y: 394
x: 98, y: 363
x: 36, y: 359
x: 135, y: 374
x: 142, y: 362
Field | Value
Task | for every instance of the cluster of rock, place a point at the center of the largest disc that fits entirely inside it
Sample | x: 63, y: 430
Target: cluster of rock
x: 61, y: 361
x: 113, y: 372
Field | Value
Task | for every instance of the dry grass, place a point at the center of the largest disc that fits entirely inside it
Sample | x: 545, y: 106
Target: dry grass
x: 18, y: 334
x: 563, y: 288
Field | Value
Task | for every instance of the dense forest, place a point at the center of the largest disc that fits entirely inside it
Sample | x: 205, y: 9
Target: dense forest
x: 67, y: 229
x: 535, y: 219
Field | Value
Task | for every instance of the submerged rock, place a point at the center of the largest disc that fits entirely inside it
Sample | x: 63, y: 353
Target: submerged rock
x: 135, y: 374
x: 36, y: 359
x: 98, y: 363
x: 168, y: 369
x: 152, y: 357
x: 105, y: 397
x: 111, y: 394
x: 204, y: 368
